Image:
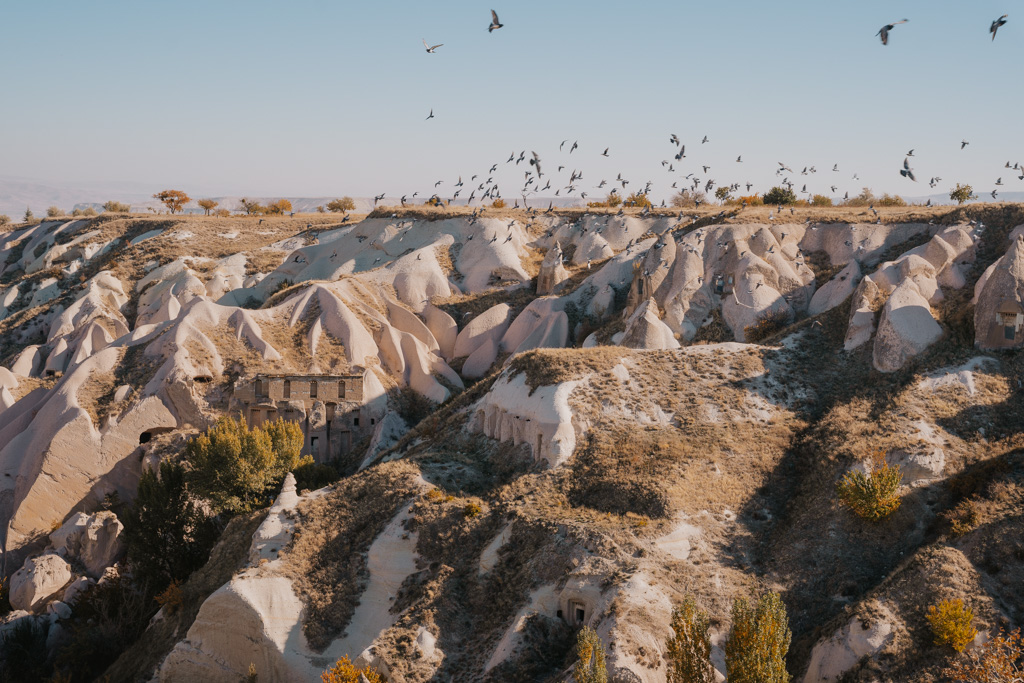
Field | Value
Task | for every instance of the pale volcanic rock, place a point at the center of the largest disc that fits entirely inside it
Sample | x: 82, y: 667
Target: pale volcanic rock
x: 905, y: 329
x: 491, y: 324
x: 38, y: 579
x: 644, y: 330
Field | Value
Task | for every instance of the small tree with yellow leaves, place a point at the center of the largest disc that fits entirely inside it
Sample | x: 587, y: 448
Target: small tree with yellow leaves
x: 951, y: 624
x: 590, y: 666
x: 688, y: 651
x: 344, y: 671
x: 873, y: 495
x: 758, y: 641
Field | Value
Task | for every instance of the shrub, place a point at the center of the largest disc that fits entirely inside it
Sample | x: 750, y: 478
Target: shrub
x: 865, y: 198
x: 688, y: 651
x: 171, y: 597
x: 311, y: 476
x: 412, y: 406
x: 688, y: 198
x: 344, y: 671
x: 590, y: 666
x: 89, y: 211
x: 962, y: 193
x: 281, y: 206
x: 758, y: 641
x: 771, y: 321
x: 471, y: 510
x: 167, y: 533
x: 116, y: 207
x: 29, y: 217
x: 821, y: 200
x: 722, y: 193
x: 752, y: 200
x: 1000, y: 659
x: 54, y: 212
x: 174, y: 200
x: 963, y: 518
x: 343, y: 205
x: 496, y: 204
x: 780, y: 195
x: 207, y: 205
x: 239, y: 469
x: 951, y: 624
x: 637, y: 199
x: 890, y: 200
x: 222, y: 213
x: 873, y: 495
x: 5, y: 220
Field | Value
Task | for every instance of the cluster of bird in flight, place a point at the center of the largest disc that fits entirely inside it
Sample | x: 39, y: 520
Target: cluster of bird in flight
x: 532, y: 178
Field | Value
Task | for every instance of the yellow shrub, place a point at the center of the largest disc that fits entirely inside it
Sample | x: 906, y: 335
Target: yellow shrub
x: 498, y: 204
x: 688, y: 651
x: 951, y: 624
x: 1001, y: 658
x: 758, y: 641
x: 875, y: 495
x: 471, y: 510
x: 963, y: 518
x: 345, y: 671
x: 171, y: 597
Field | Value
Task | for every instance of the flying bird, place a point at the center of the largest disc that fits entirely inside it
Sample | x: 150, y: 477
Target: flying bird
x: 906, y: 171
x: 884, y: 31
x: 431, y: 115
x: 996, y: 24
x: 494, y: 22
x: 963, y: 143
x: 431, y: 48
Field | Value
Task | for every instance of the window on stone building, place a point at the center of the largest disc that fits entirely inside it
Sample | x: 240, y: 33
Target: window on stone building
x: 312, y: 389
x: 287, y: 389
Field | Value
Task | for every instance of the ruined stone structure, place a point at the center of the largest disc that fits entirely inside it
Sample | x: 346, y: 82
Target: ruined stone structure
x: 329, y: 408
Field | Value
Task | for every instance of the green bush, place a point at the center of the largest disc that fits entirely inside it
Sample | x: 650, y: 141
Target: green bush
x: 590, y: 666
x: 875, y: 495
x: 758, y: 641
x: 688, y: 652
x: 238, y: 469
x: 167, y: 534
x: 780, y: 195
x: 962, y: 193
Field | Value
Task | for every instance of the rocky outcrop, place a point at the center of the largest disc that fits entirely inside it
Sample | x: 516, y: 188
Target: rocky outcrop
x: 552, y: 272
x: 644, y: 330
x: 38, y: 579
x: 95, y: 540
x: 833, y: 657
x: 906, y: 328
x: 491, y: 324
x: 999, y: 301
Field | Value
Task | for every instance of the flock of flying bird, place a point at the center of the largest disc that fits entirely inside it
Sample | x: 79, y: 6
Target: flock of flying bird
x: 489, y: 189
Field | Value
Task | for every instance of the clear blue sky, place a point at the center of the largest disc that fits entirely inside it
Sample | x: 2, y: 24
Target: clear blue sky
x: 329, y: 98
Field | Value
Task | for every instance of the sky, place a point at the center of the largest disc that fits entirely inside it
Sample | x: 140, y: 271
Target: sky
x: 330, y: 98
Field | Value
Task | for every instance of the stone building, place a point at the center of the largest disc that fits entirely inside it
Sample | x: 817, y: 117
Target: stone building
x: 999, y: 307
x: 329, y: 408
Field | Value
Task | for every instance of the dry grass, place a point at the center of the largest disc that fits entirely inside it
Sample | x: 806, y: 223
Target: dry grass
x: 544, y: 367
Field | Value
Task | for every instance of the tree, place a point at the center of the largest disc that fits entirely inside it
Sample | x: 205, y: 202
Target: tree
x: 999, y: 660
x: 951, y: 624
x: 873, y: 495
x: 590, y: 666
x: 722, y: 193
x: 250, y: 206
x: 688, y: 651
x: 54, y: 212
x: 239, y: 469
x: 281, y: 206
x: 962, y: 193
x: 780, y: 195
x: 208, y: 205
x: 168, y: 535
x: 116, y: 207
x: 28, y: 215
x: 174, y: 200
x: 758, y: 641
x: 344, y: 671
x: 343, y: 205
